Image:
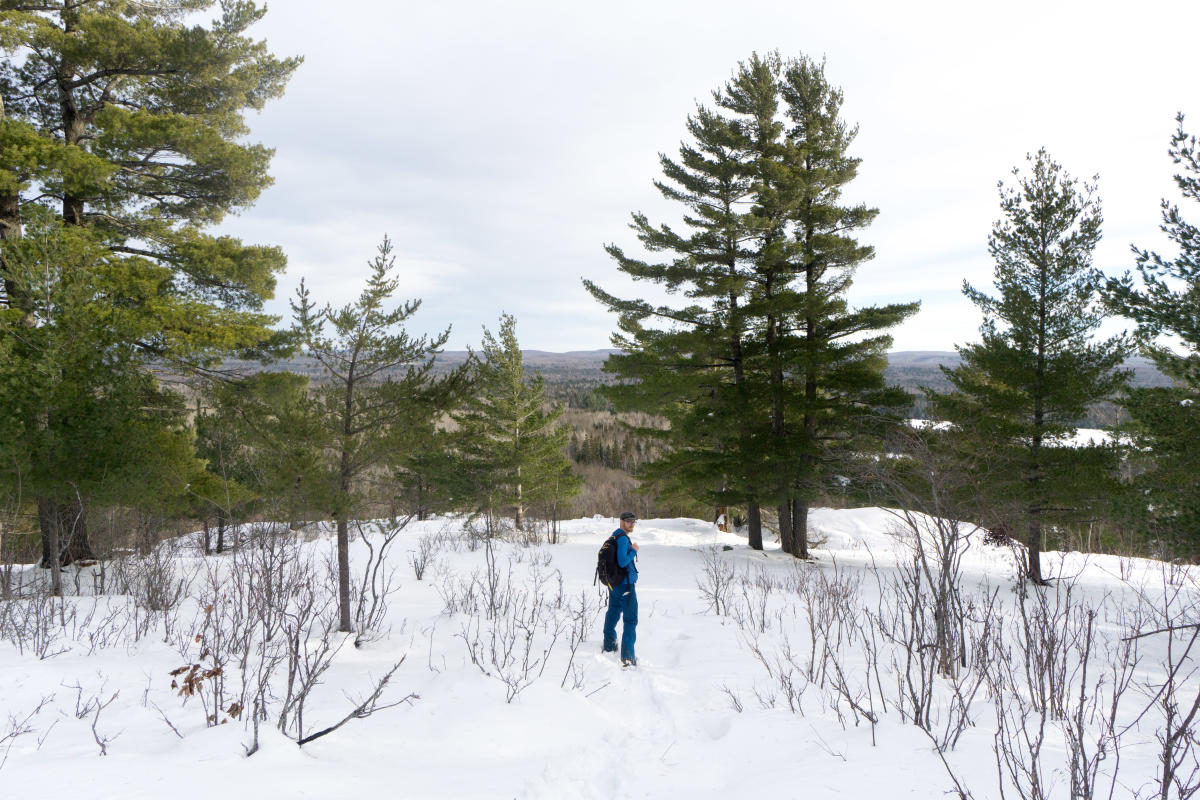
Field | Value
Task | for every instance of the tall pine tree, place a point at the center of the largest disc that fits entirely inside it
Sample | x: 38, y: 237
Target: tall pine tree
x: 125, y: 120
x: 1019, y: 392
x: 687, y: 363
x: 822, y: 362
x: 1166, y: 422
x: 759, y: 372
x: 82, y: 420
x: 374, y: 373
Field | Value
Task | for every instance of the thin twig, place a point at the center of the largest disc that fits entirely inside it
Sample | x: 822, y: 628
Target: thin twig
x: 366, y: 707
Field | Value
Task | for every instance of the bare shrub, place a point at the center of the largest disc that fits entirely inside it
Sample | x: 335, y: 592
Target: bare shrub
x: 477, y: 530
x: 424, y: 555
x: 1173, y: 701
x: 18, y: 726
x: 1125, y: 568
x: 152, y: 577
x: 37, y: 622
x: 716, y: 579
x: 934, y: 690
x: 546, y: 526
x: 513, y: 622
x: 1045, y: 682
x: 581, y: 616
x: 1091, y: 726
x: 363, y: 708
x: 102, y: 740
x: 830, y: 602
x: 507, y: 649
x: 308, y: 625
x: 266, y: 609
x: 858, y: 697
x: 376, y: 582
x: 751, y: 602
x: 735, y: 702
x: 785, y: 672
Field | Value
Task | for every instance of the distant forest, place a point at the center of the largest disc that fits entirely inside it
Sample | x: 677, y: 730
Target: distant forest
x: 573, y: 377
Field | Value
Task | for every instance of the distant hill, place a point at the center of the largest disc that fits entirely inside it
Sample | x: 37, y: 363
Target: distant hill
x: 915, y: 368
x: 575, y: 363
x: 581, y: 369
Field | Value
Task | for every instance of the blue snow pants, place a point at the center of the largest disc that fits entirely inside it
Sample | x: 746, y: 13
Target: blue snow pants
x: 622, y: 602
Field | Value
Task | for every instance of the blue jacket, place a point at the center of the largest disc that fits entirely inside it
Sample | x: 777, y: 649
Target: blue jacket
x: 626, y: 556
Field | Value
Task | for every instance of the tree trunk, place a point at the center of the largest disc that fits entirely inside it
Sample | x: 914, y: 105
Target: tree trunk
x: 345, y: 476
x: 1039, y: 420
x: 778, y: 427
x: 220, y: 531
x: 64, y: 536
x: 48, y: 519
x: 76, y: 545
x: 346, y: 625
x: 754, y: 524
x: 1034, y: 551
x: 519, y: 517
x: 786, y: 542
x: 800, y: 528
x: 422, y: 512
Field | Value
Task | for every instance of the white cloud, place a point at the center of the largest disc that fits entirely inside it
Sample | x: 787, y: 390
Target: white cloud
x: 501, y: 145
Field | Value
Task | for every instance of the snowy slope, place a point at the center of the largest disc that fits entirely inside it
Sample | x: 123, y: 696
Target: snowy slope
x: 582, y: 727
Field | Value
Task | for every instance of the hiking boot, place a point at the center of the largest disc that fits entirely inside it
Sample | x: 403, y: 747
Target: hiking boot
x: 610, y: 648
x: 628, y: 662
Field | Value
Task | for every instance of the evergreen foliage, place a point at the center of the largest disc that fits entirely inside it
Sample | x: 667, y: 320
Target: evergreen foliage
x: 693, y: 365
x: 423, y: 465
x: 125, y: 120
x: 257, y: 436
x: 1166, y: 308
x: 767, y: 366
x: 82, y: 419
x: 1165, y: 429
x: 512, y: 450
x: 1018, y: 392
x: 377, y: 378
x: 823, y: 362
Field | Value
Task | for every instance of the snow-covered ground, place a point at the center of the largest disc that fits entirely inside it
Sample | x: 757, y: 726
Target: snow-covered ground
x: 490, y: 701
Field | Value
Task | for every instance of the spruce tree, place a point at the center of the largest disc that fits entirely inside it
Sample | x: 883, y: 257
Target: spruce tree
x: 512, y: 450
x: 1020, y: 391
x: 125, y: 120
x: 374, y: 373
x: 1165, y: 421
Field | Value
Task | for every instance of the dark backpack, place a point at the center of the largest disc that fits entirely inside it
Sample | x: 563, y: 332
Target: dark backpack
x: 608, y: 572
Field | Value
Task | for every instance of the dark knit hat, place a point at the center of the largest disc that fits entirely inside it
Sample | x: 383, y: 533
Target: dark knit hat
x: 628, y: 516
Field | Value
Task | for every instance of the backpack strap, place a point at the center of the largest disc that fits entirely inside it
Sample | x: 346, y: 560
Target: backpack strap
x: 615, y: 535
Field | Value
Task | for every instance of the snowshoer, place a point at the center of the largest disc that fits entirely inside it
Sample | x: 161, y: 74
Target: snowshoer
x: 622, y: 597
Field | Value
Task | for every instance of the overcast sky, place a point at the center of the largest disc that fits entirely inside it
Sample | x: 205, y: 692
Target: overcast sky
x: 502, y: 144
